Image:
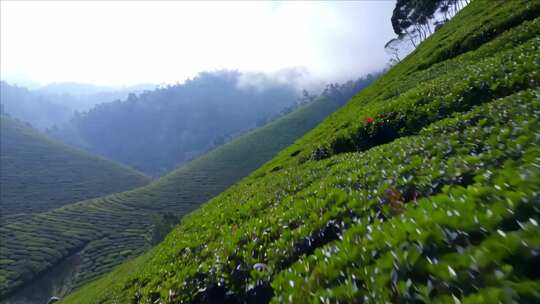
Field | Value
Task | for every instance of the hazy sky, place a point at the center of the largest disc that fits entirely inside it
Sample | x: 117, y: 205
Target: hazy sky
x: 124, y: 43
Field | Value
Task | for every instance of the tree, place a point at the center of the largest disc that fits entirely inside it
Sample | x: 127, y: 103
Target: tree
x: 414, y: 20
x: 306, y: 97
x: 163, y: 224
x: 411, y: 18
x: 392, y: 47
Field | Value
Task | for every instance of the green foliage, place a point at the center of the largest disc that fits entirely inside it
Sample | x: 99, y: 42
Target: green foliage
x: 111, y: 229
x: 454, y: 133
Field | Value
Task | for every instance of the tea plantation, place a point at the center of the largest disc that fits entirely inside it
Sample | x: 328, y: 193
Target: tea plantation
x: 109, y: 229
x: 424, y: 188
x: 38, y: 174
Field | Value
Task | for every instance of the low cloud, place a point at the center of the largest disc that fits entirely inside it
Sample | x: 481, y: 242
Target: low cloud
x: 169, y: 41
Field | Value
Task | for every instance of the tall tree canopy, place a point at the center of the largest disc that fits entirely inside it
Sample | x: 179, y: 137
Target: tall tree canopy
x: 414, y: 20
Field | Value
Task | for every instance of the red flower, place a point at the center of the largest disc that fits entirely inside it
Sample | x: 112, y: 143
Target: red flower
x: 369, y: 120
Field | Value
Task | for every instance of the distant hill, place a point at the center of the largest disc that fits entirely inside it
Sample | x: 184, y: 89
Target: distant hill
x: 24, y: 104
x: 38, y: 174
x: 155, y: 131
x: 55, y: 104
x: 423, y: 188
x: 82, y: 97
x: 107, y: 230
x: 83, y: 89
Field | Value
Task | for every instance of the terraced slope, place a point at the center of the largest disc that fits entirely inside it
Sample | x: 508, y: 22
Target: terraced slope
x: 107, y: 230
x: 38, y: 174
x: 422, y: 189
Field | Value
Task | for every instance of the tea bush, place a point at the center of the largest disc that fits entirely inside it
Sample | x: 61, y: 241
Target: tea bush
x: 38, y: 174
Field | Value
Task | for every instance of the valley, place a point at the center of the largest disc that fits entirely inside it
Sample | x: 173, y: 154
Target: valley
x: 418, y: 183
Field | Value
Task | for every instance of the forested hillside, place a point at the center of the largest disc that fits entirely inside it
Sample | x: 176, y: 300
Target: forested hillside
x: 107, y: 230
x: 82, y: 97
x: 423, y: 188
x: 38, y: 174
x: 157, y: 130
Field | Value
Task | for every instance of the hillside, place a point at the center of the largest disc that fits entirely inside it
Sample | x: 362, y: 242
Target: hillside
x: 38, y: 174
x: 105, y: 231
x: 422, y: 189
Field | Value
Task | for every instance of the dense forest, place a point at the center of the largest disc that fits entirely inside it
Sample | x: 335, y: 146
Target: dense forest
x: 157, y: 130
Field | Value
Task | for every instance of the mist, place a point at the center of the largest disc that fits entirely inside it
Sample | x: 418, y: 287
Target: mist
x: 126, y: 43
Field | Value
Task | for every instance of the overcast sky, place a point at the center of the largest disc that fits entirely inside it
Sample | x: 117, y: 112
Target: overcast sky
x: 125, y: 43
